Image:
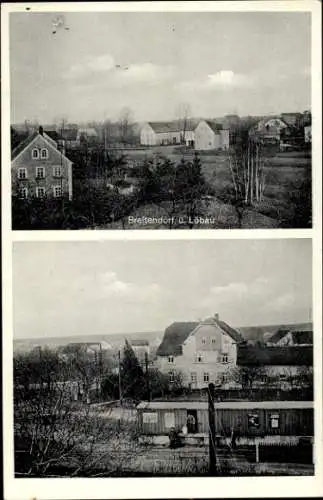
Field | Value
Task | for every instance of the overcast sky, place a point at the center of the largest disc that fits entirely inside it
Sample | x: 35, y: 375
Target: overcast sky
x: 245, y: 63
x: 76, y: 288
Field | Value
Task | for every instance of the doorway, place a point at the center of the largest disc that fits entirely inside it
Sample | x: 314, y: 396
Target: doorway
x: 191, y: 421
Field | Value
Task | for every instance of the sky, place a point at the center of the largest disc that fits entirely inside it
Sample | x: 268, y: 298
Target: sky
x: 105, y: 287
x: 218, y: 63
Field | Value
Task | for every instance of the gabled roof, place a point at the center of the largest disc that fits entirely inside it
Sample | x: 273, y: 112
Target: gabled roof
x: 174, y: 336
x: 173, y: 126
x: 177, y: 333
x: 215, y: 126
x: 275, y: 356
x: 23, y: 145
x: 298, y: 336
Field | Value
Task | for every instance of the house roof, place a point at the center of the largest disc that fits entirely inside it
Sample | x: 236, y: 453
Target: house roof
x: 299, y: 336
x: 23, y: 145
x: 275, y: 356
x: 53, y: 135
x: 90, y: 131
x: 254, y: 333
x: 174, y: 336
x: 139, y: 343
x: 69, y: 134
x: 215, y: 126
x: 233, y: 405
x: 173, y: 126
x: 178, y: 332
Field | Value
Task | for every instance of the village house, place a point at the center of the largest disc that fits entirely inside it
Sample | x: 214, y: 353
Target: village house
x: 89, y: 135
x: 198, y: 352
x: 39, y: 168
x: 141, y: 349
x: 211, y: 135
x: 167, y: 133
x: 269, y: 129
x: 284, y: 337
x: 282, y: 365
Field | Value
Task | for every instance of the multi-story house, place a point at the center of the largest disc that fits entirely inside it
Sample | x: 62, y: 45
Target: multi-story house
x: 39, y: 168
x: 199, y: 352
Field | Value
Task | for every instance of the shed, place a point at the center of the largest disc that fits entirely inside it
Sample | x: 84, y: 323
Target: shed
x: 252, y: 419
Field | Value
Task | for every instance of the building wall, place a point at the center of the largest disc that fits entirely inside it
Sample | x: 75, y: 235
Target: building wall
x: 225, y: 139
x: 203, y: 354
x: 55, y: 159
x: 205, y: 138
x: 308, y: 134
x: 147, y: 136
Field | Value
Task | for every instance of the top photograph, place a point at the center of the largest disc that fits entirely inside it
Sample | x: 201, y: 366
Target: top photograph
x: 160, y: 120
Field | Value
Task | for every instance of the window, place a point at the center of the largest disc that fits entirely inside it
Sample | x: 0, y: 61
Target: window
x: 206, y: 377
x: 203, y: 341
x: 174, y: 140
x: 170, y: 359
x: 57, y: 171
x: 35, y: 154
x: 44, y: 154
x: 40, y: 173
x: 225, y: 358
x: 171, y: 377
x: 213, y: 341
x: 57, y: 190
x: 23, y: 193
x: 40, y: 192
x: 194, y: 377
x: 198, y: 358
x: 22, y: 173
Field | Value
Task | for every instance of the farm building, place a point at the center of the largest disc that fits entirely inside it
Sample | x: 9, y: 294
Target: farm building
x: 270, y: 421
x: 167, y: 133
x: 211, y: 135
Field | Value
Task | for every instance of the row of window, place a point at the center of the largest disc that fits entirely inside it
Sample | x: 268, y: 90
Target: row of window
x: 206, y: 377
x: 199, y: 358
x: 40, y: 172
x: 41, y: 192
x: 37, y: 154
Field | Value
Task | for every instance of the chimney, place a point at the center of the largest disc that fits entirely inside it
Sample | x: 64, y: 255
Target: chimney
x: 41, y: 130
x: 216, y: 317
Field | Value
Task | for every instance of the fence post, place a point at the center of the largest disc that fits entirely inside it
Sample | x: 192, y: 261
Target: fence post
x: 212, y: 453
x: 257, y: 452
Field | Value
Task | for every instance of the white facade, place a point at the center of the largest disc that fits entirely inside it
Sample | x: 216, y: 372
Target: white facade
x: 150, y: 137
x: 208, y: 354
x: 308, y: 134
x: 206, y: 138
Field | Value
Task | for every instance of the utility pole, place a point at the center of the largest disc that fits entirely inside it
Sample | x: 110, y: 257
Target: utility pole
x: 147, y: 376
x: 212, y: 451
x: 119, y: 373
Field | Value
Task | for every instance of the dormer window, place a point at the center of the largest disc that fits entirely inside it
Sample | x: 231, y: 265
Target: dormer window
x: 170, y: 359
x: 44, y: 154
x: 35, y: 154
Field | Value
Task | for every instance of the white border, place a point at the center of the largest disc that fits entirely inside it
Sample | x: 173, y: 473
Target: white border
x: 18, y: 489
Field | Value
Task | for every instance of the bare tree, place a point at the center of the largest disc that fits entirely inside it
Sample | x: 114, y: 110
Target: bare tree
x: 125, y: 124
x: 183, y: 113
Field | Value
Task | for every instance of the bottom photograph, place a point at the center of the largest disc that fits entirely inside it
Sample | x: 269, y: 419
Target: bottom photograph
x: 163, y: 358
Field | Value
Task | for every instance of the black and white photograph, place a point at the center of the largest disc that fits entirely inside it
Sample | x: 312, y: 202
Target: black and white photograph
x: 128, y: 366
x: 160, y: 120
x: 161, y: 201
